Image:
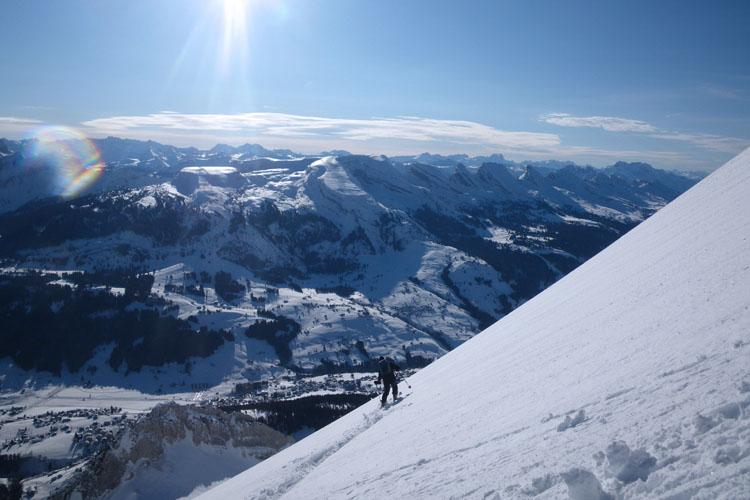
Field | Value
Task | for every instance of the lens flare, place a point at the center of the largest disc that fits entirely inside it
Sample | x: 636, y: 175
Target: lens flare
x: 74, y: 159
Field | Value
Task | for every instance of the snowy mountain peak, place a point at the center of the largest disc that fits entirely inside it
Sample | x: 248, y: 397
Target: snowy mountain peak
x: 335, y: 152
x: 434, y: 159
x: 208, y: 178
x: 634, y: 171
x: 497, y: 175
x: 628, y: 378
x: 223, y: 149
x: 257, y: 151
x: 463, y: 177
x: 532, y: 176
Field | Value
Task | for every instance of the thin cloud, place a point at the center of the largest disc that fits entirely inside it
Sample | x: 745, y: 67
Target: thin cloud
x: 39, y: 108
x: 608, y: 123
x: 709, y: 142
x: 723, y: 93
x: 284, y: 125
x: 11, y: 120
x: 601, y: 157
x: 732, y: 145
x: 13, y: 127
x: 404, y: 135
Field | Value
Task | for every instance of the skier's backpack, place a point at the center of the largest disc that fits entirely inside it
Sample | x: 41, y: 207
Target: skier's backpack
x: 385, y: 367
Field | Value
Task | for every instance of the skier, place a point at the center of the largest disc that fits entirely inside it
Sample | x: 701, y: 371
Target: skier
x: 386, y: 372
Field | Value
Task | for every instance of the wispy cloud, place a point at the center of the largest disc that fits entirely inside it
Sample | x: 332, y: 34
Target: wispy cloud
x: 13, y: 127
x: 723, y: 92
x: 609, y: 123
x: 621, y: 154
x: 709, y: 142
x: 285, y: 125
x: 10, y: 120
x: 732, y: 145
x: 403, y: 135
x: 39, y: 108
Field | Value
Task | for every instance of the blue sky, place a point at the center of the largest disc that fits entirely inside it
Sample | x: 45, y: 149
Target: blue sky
x: 594, y: 82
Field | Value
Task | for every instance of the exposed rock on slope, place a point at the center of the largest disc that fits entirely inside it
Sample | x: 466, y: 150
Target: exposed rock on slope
x: 173, y: 450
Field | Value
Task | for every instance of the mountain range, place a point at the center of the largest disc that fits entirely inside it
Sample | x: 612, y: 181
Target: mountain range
x: 261, y: 262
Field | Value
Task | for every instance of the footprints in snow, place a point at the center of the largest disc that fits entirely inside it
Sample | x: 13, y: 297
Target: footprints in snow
x: 583, y: 485
x: 715, y: 438
x: 622, y: 465
x: 568, y: 423
x: 306, y: 464
x: 626, y: 465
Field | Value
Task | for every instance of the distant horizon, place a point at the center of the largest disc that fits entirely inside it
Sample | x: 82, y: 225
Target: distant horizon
x: 403, y: 136
x: 388, y: 155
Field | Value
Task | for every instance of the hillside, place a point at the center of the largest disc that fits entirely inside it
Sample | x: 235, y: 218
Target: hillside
x: 628, y: 378
x: 263, y: 263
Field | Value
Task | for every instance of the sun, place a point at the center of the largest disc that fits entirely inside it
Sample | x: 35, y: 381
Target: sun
x: 234, y: 7
x: 219, y: 46
x: 235, y: 12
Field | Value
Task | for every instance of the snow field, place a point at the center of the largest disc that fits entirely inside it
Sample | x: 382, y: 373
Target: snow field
x: 629, y: 378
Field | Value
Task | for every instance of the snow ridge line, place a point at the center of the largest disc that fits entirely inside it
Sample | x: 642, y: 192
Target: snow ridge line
x: 304, y: 466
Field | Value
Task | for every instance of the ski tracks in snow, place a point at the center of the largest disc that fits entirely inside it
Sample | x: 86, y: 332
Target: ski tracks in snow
x: 303, y: 466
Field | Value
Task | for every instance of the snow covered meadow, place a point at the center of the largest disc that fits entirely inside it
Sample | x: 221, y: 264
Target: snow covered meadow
x: 629, y: 378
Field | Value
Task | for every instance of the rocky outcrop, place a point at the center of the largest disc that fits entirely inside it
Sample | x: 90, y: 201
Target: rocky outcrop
x: 143, y: 447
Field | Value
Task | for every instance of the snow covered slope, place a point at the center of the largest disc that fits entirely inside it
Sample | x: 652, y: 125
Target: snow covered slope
x: 628, y: 378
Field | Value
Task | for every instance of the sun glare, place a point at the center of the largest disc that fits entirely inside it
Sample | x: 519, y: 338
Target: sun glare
x: 217, y: 53
x: 234, y: 8
x: 234, y: 35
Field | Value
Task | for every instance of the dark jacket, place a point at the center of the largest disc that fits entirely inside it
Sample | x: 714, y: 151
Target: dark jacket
x: 386, y: 370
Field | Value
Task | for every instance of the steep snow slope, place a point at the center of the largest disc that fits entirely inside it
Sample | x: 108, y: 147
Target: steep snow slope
x: 630, y: 378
